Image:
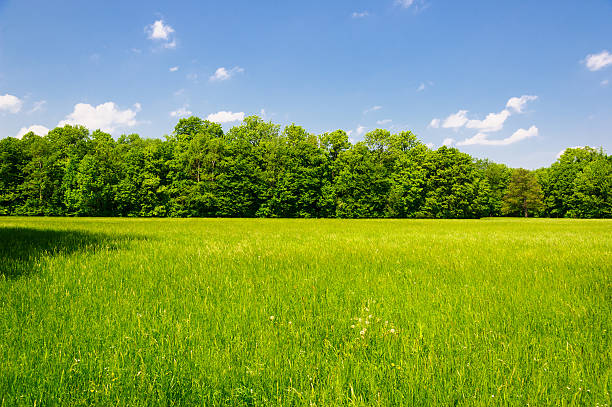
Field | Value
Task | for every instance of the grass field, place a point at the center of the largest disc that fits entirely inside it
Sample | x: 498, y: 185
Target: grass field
x: 297, y: 312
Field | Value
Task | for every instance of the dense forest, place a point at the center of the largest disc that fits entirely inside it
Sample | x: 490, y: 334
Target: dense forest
x: 257, y: 170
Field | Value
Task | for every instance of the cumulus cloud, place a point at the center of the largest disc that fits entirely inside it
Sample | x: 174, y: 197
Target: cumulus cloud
x: 456, y: 120
x: 106, y: 116
x: 360, y: 14
x: 174, y: 69
x: 595, y: 62
x: 493, y: 122
x: 225, y: 117
x: 360, y: 130
x: 10, y: 103
x: 36, y: 129
x: 448, y: 141
x: 158, y: 31
x: 223, y: 74
x: 372, y: 109
x: 483, y: 139
x: 180, y: 112
x: 518, y: 104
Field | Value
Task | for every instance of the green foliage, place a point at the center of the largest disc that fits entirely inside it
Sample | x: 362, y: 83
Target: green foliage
x: 524, y: 194
x: 560, y: 188
x: 257, y: 170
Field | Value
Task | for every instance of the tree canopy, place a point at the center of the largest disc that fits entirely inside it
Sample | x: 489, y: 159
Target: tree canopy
x: 257, y: 169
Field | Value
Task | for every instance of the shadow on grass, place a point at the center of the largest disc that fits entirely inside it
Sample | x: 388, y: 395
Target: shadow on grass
x: 23, y: 249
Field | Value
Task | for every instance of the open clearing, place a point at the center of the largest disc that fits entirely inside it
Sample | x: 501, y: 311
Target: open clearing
x: 253, y: 312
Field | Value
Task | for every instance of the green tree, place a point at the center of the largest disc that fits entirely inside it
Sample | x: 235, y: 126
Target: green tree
x: 592, y: 190
x: 12, y: 162
x: 524, y: 194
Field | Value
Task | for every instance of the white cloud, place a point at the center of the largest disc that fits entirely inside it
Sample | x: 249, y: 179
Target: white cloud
x: 493, y: 122
x: 456, y: 120
x: 180, y: 112
x: 38, y: 106
x: 448, y: 141
x: 222, y: 74
x: 10, y: 103
x: 421, y: 87
x: 595, y: 62
x: 360, y: 15
x: 517, y: 104
x: 483, y: 140
x: 174, y: 69
x: 225, y: 117
x: 605, y: 82
x: 36, y: 129
x: 404, y: 3
x: 106, y: 116
x: 429, y: 145
x: 158, y: 31
x: 372, y: 109
x: 385, y: 121
x: 360, y: 130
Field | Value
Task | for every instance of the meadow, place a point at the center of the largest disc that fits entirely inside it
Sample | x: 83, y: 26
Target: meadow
x: 116, y: 311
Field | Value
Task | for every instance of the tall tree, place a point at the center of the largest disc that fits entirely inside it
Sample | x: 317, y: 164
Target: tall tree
x: 524, y: 194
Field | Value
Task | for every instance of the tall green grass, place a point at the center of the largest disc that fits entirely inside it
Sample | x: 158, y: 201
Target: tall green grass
x: 298, y: 312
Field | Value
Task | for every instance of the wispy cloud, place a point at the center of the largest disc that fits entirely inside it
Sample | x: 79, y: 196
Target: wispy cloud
x: 174, y: 69
x: 361, y: 14
x: 223, y: 74
x: 424, y: 85
x: 404, y: 3
x: 372, y: 109
x: 181, y: 112
x: 383, y: 122
x: 40, y: 105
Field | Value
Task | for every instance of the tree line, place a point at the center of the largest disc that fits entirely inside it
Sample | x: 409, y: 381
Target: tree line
x: 257, y: 170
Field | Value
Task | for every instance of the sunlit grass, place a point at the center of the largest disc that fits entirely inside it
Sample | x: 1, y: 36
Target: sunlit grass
x: 326, y: 312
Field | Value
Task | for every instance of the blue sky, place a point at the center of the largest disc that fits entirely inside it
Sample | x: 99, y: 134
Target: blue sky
x: 514, y: 81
